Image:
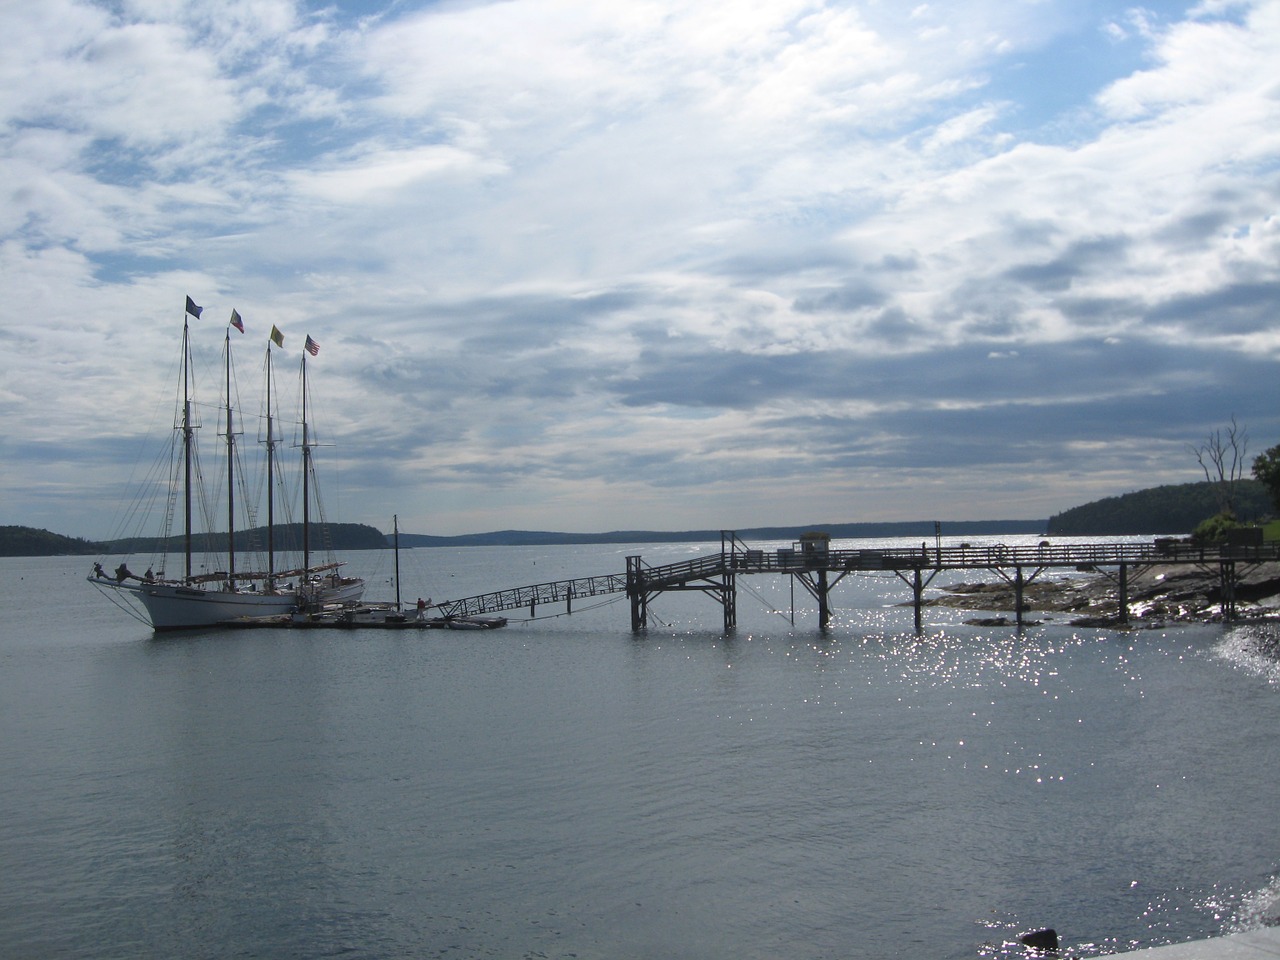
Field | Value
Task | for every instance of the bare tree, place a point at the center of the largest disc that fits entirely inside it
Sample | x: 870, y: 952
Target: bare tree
x: 1223, y: 461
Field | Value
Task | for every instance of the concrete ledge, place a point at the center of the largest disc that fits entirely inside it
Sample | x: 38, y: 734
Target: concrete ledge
x: 1261, y: 944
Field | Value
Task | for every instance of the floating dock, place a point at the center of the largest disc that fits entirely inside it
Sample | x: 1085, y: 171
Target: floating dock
x: 365, y: 618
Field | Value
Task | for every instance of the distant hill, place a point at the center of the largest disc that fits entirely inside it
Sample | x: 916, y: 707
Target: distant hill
x: 30, y: 542
x: 840, y: 531
x: 288, y: 537
x: 1174, y: 509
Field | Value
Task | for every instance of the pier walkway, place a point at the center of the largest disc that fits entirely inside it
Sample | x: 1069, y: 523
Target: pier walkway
x: 819, y: 568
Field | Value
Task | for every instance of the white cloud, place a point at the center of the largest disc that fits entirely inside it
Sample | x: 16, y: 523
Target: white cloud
x: 388, y: 172
x: 963, y: 128
x: 1200, y: 63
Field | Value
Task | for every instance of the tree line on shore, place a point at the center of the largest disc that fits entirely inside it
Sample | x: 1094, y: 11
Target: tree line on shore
x: 1176, y: 509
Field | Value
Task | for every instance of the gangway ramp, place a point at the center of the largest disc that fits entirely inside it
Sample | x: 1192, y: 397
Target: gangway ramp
x: 535, y: 595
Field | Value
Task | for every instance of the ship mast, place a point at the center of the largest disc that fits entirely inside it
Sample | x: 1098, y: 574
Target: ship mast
x: 231, y: 478
x: 306, y: 474
x: 271, y: 480
x: 395, y: 524
x: 187, y: 438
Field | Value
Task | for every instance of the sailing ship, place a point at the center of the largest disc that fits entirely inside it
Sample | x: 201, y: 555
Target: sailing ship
x: 204, y: 599
x: 377, y: 615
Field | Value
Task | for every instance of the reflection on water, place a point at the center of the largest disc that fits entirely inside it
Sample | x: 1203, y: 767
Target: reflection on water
x: 1258, y: 908
x: 1254, y: 648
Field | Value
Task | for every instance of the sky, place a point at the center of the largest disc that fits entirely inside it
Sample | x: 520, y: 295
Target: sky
x: 644, y: 264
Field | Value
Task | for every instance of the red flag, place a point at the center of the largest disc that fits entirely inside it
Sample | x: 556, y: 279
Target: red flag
x: 236, y: 321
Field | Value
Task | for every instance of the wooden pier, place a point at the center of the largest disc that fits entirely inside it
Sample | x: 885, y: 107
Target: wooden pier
x: 819, y: 568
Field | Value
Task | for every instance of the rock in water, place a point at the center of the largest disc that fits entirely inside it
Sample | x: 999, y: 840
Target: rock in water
x: 1046, y: 939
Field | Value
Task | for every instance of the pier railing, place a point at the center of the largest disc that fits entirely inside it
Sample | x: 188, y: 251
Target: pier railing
x: 715, y: 571
x: 997, y: 556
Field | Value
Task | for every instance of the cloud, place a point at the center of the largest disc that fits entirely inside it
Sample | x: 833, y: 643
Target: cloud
x: 1077, y: 260
x: 385, y: 174
x: 648, y: 264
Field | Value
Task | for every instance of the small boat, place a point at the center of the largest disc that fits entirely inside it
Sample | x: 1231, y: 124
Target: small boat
x: 475, y: 623
x: 195, y: 599
x: 384, y: 614
x: 368, y: 615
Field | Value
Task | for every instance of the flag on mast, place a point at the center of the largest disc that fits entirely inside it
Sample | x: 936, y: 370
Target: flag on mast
x: 193, y: 309
x: 236, y: 321
x: 312, y: 347
x: 277, y: 337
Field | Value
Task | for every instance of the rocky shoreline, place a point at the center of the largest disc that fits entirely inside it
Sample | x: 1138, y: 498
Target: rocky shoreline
x: 1158, y: 595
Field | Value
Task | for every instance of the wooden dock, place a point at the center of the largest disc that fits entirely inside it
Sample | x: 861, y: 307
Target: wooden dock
x: 819, y: 568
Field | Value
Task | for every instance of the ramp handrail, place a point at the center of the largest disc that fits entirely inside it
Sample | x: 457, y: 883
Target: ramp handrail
x: 555, y: 591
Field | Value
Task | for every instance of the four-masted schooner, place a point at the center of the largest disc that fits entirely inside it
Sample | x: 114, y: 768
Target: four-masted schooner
x: 204, y: 599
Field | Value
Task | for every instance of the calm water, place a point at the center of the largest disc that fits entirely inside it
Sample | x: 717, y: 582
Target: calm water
x: 563, y: 788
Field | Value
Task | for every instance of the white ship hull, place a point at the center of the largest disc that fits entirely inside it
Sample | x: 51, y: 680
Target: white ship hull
x: 344, y: 590
x: 175, y: 607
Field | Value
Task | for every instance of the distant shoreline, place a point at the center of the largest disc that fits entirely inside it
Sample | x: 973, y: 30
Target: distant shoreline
x: 32, y: 542
x: 837, y: 531
x: 1156, y: 511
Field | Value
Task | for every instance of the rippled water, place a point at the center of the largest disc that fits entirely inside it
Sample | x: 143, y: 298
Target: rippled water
x: 562, y: 788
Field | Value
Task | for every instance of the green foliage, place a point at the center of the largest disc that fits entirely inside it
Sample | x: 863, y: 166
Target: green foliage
x: 1174, y: 509
x: 1215, y: 529
x: 1266, y: 469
